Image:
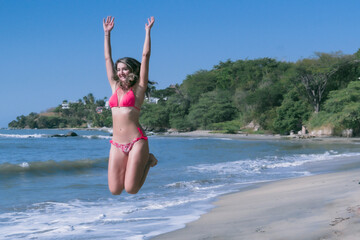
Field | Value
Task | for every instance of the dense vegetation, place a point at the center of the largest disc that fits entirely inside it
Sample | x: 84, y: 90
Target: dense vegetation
x: 82, y: 113
x: 276, y: 96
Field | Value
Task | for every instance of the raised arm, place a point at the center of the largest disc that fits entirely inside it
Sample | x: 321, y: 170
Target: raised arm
x: 108, y: 25
x: 144, y: 70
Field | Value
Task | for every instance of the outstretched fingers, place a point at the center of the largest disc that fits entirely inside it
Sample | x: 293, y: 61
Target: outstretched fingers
x: 111, y: 20
x: 150, y: 23
x: 108, y: 24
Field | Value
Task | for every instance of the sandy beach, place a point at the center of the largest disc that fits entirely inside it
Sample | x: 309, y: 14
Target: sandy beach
x: 324, y: 206
x: 212, y: 134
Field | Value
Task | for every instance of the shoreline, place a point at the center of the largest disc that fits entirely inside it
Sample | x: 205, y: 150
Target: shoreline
x: 324, y: 206
x: 211, y: 134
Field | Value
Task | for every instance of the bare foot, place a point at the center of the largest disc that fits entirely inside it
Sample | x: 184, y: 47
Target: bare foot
x: 152, y: 160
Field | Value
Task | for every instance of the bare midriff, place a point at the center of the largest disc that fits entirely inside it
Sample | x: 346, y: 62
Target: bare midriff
x: 125, y: 124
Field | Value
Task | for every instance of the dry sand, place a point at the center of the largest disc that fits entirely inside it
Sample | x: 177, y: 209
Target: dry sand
x: 318, y: 207
x: 208, y: 133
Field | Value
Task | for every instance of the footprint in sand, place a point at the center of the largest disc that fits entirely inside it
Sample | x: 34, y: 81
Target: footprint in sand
x: 338, y: 220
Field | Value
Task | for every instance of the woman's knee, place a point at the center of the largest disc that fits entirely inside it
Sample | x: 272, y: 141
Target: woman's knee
x: 115, y: 189
x: 132, y: 188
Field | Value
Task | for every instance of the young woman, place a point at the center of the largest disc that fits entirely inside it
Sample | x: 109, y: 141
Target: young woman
x: 129, y: 159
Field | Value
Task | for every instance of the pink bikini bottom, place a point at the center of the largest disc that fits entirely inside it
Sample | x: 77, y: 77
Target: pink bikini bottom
x: 128, y: 146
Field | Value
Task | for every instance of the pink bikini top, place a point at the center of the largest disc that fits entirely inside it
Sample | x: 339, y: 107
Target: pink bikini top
x: 128, y: 100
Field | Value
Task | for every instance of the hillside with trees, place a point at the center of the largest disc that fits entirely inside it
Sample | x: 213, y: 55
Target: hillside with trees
x: 278, y: 97
x: 81, y: 114
x: 274, y: 96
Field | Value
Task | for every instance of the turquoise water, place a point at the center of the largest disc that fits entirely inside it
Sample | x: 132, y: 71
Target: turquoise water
x: 56, y: 187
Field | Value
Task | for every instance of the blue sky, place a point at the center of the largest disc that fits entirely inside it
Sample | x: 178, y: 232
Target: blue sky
x: 52, y: 50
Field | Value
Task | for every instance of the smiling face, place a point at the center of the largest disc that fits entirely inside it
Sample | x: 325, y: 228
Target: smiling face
x: 127, y: 72
x: 122, y: 71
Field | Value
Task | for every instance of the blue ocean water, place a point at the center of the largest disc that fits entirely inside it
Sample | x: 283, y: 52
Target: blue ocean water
x: 56, y: 187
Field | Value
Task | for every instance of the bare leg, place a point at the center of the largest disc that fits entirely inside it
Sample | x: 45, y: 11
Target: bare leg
x: 139, y: 163
x: 152, y: 161
x: 116, y: 170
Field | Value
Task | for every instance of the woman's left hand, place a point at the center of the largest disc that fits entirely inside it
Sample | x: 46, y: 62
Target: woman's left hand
x: 150, y: 23
x: 108, y: 24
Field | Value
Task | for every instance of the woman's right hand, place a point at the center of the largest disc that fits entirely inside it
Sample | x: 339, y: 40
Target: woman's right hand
x: 108, y: 24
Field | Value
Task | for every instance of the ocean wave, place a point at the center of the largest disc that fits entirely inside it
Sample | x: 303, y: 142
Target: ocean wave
x: 96, y: 136
x: 49, y: 220
x: 195, y: 185
x: 224, y: 168
x: 178, y: 202
x: 37, y: 135
x: 249, y: 166
x: 301, y: 159
x: 50, y: 166
x: 23, y: 135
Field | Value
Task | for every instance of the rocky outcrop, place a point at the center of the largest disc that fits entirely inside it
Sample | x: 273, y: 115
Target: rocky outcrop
x: 69, y: 134
x: 253, y: 125
x: 322, y: 132
x: 329, y: 131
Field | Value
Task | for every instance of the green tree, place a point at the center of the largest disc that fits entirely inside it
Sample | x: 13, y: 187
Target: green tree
x: 213, y: 107
x: 315, y: 74
x: 224, y: 75
x: 344, y: 107
x: 178, y: 107
x: 164, y: 93
x: 31, y: 120
x: 154, y: 116
x: 21, y: 121
x: 13, y: 124
x: 292, y: 114
x: 198, y: 83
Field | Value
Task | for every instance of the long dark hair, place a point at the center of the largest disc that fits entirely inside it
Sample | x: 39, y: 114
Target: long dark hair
x: 133, y: 77
x: 134, y: 67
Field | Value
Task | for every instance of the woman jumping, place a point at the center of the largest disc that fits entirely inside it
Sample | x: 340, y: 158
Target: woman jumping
x: 129, y: 158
